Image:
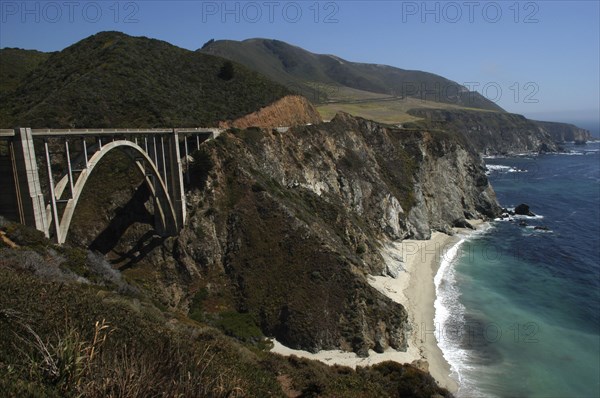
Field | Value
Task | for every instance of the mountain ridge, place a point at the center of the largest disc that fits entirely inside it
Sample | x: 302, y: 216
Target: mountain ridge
x: 289, y: 64
x: 358, y: 89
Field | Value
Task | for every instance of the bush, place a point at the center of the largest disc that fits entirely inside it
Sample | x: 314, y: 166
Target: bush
x: 196, y: 311
x: 241, y: 326
x: 200, y: 167
x: 23, y: 235
x: 361, y: 249
x: 226, y: 72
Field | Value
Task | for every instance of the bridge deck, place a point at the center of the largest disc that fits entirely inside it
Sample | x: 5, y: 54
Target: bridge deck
x: 96, y: 132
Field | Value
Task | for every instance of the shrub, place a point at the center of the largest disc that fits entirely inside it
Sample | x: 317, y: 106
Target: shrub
x: 241, y: 326
x: 62, y: 362
x: 200, y: 167
x: 23, y: 235
x: 196, y: 311
x: 361, y: 249
x: 226, y: 72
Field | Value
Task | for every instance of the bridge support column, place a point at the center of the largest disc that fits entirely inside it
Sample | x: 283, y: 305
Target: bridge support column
x: 30, y: 199
x: 53, y: 205
x: 176, y: 187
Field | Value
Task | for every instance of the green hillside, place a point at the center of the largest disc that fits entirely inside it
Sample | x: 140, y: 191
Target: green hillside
x: 15, y: 64
x: 314, y: 75
x: 112, y: 80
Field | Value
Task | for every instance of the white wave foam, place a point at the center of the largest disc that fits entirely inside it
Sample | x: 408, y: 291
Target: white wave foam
x: 515, y: 217
x: 532, y: 229
x: 448, y: 308
x: 502, y: 169
x: 572, y: 153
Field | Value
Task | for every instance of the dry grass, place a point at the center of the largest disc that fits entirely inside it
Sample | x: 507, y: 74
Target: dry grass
x: 73, y: 366
x: 384, y: 110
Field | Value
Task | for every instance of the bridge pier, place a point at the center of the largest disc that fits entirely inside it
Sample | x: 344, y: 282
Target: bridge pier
x: 176, y: 189
x: 53, y: 198
x: 28, y: 198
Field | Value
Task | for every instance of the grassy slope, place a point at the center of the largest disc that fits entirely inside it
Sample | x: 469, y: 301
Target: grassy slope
x: 143, y: 351
x: 384, y: 110
x: 300, y: 69
x: 112, y: 80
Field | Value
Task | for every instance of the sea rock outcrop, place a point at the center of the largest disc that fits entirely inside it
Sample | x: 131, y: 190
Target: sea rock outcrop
x: 523, y: 210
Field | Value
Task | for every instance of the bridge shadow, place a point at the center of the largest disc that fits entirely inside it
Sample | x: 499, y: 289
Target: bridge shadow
x: 109, y: 240
x: 146, y: 244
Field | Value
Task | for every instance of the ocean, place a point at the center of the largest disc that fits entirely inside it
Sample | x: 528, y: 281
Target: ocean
x: 518, y: 308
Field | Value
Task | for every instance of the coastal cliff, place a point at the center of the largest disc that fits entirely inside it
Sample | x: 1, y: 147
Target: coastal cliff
x: 490, y: 133
x: 564, y: 132
x: 286, y: 227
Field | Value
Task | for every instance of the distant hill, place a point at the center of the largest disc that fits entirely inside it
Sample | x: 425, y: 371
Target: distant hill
x: 15, y: 64
x: 322, y: 77
x: 111, y: 79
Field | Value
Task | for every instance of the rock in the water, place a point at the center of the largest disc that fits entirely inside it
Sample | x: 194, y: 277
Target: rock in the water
x: 542, y: 228
x: 523, y: 210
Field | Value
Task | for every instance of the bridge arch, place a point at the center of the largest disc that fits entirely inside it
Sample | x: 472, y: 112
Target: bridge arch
x: 28, y: 204
x: 165, y: 215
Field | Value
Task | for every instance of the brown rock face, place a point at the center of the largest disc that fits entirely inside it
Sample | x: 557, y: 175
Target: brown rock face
x: 292, y: 110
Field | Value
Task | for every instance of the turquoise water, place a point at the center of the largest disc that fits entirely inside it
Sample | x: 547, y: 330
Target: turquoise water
x: 523, y: 305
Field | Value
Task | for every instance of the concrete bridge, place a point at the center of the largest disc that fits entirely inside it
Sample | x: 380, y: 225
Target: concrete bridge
x: 157, y: 153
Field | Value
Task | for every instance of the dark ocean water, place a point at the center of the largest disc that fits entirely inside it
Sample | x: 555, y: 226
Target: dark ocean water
x: 521, y: 307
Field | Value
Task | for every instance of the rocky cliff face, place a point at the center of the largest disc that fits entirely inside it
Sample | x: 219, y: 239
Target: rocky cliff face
x: 491, y: 133
x: 287, y: 226
x: 293, y: 222
x: 292, y: 110
x: 564, y: 132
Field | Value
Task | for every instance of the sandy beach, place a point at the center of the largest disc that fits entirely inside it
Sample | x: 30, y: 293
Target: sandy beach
x: 415, y: 290
x: 417, y: 262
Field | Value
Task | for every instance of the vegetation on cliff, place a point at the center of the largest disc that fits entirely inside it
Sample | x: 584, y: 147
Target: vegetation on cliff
x: 283, y: 231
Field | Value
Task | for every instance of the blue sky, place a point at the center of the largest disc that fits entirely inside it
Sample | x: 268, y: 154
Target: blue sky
x: 537, y: 58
